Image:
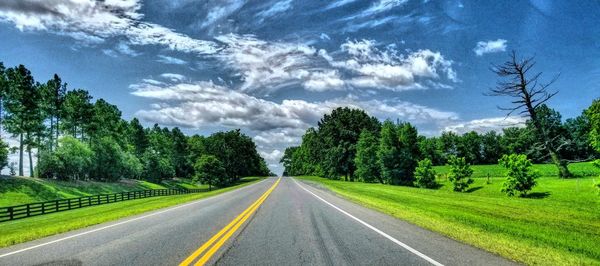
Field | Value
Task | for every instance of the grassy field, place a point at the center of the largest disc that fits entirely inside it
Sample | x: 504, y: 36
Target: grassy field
x: 21, y: 190
x: 558, y: 225
x: 28, y: 229
x: 546, y: 170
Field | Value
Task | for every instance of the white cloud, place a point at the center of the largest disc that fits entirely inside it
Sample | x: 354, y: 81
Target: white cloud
x: 197, y: 104
x: 121, y: 48
x: 265, y: 65
x: 92, y: 22
x: 275, y: 9
x: 382, y: 6
x: 388, y: 69
x: 273, y: 156
x: 173, y: 77
x: 486, y: 124
x: 171, y: 60
x: 323, y: 81
x: 490, y: 47
x: 221, y: 10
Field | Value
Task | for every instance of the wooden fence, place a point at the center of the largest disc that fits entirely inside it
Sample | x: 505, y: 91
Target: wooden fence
x: 40, y: 208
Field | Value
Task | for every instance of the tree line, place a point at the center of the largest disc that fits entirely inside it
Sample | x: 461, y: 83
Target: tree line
x: 352, y: 145
x: 77, y: 138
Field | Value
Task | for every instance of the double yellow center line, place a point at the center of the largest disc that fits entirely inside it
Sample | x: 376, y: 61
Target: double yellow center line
x: 222, y: 236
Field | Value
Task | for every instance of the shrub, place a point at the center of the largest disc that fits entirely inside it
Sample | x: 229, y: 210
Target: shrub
x: 3, y: 154
x: 520, y: 178
x: 157, y: 166
x: 209, y: 170
x: 108, y: 162
x: 425, y: 175
x: 460, y: 173
x: 72, y: 159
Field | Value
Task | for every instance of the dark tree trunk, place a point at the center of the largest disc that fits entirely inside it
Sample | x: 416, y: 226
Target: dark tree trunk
x: 21, y: 154
x: 30, y: 161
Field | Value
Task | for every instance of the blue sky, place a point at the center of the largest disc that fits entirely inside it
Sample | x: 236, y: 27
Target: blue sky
x: 272, y: 68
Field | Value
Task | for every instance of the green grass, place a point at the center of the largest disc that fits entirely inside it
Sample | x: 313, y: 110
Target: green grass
x: 558, y: 225
x: 21, y: 190
x: 28, y: 229
x: 548, y: 170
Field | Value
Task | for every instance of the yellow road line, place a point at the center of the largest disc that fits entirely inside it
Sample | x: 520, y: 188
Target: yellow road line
x: 233, y: 225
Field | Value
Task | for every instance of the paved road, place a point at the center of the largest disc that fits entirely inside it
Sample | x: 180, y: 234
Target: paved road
x: 297, y: 224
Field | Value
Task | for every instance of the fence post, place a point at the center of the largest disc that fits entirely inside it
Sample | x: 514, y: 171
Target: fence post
x: 69, y: 201
x: 79, y: 202
x: 89, y: 201
x: 28, y: 213
x: 10, y: 213
x: 56, y: 204
x: 43, y: 207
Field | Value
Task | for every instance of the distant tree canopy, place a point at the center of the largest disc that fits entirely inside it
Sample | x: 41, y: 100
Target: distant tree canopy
x: 77, y: 138
x: 366, y: 150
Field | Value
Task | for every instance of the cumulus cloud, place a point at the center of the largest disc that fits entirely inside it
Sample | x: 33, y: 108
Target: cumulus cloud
x: 202, y: 103
x: 389, y: 69
x: 268, y: 65
x: 93, y: 22
x: 275, y: 65
x: 484, y: 47
x: 197, y: 104
x: 486, y: 124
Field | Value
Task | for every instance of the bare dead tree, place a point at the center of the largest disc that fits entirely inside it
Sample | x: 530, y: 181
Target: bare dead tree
x: 528, y: 93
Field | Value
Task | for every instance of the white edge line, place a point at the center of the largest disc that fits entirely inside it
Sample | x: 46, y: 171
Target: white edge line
x: 113, y: 225
x: 407, y: 247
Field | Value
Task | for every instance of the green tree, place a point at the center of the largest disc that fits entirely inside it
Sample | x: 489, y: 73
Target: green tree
x: 449, y: 143
x: 469, y: 146
x: 408, y: 153
x: 72, y: 160
x: 593, y: 114
x: 209, y: 170
x: 181, y: 154
x: 388, y: 153
x: 105, y: 121
x: 460, y: 173
x: 53, y: 97
x: 492, y: 149
x: 367, y: 165
x: 425, y: 174
x: 431, y: 148
x: 156, y: 167
x: 136, y: 135
x: 4, y: 89
x: 24, y: 117
x: 578, y: 131
x: 3, y: 154
x: 110, y: 162
x: 520, y: 178
x: 339, y: 132
x: 77, y: 112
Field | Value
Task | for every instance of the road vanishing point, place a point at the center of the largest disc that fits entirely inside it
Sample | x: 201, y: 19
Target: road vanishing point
x: 278, y: 221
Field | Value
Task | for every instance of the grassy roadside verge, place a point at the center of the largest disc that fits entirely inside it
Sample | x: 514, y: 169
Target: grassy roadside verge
x: 559, y: 227
x: 22, y: 190
x: 28, y: 229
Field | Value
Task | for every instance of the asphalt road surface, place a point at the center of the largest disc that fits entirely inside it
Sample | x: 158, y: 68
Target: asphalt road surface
x: 285, y: 222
